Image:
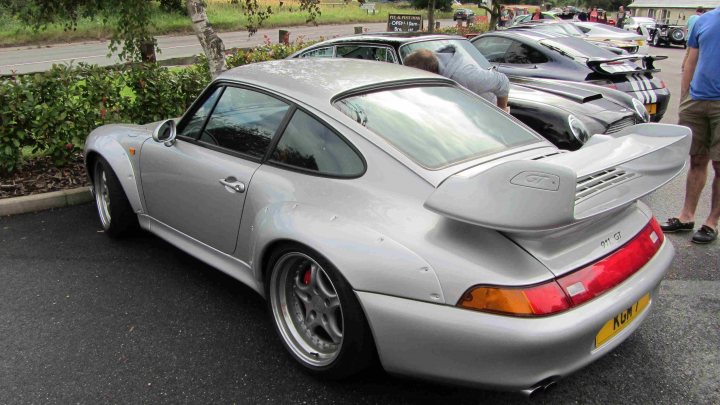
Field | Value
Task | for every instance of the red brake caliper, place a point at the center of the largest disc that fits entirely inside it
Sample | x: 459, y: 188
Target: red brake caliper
x: 306, y: 277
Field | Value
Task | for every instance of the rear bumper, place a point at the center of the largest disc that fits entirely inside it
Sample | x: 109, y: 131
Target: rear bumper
x: 659, y: 97
x: 449, y: 344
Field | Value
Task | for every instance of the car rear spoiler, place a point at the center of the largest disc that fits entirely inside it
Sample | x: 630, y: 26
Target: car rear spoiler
x: 607, y: 173
x: 603, y: 67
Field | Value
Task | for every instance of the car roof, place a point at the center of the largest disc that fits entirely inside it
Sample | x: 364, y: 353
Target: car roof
x: 388, y: 37
x: 529, y: 34
x: 316, y: 81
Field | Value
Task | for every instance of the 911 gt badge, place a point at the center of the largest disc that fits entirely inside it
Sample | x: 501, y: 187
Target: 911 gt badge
x: 539, y: 180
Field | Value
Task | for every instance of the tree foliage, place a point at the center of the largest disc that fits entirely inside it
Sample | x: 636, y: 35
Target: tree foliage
x: 442, y: 5
x: 131, y: 19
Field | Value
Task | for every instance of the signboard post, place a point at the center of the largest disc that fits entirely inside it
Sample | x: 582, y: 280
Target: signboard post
x: 404, y: 23
x: 368, y: 7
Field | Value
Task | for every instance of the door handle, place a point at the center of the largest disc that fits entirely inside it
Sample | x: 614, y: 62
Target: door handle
x: 234, y: 184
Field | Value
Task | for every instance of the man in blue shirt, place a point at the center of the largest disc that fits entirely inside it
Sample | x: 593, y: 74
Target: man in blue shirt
x: 700, y: 111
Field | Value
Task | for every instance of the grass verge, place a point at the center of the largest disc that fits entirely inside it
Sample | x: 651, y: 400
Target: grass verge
x: 223, y: 16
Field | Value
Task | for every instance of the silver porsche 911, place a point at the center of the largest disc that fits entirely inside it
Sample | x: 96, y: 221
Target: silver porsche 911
x: 387, y: 213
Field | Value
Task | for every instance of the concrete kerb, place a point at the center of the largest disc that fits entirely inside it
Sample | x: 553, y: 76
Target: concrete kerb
x: 45, y: 201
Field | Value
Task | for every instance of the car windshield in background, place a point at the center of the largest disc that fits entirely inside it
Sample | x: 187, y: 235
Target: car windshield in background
x: 565, y: 29
x: 462, y: 46
x: 576, y: 48
x: 436, y: 126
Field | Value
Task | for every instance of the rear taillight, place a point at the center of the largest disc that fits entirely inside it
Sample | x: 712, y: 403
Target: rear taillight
x: 662, y: 84
x: 571, y: 289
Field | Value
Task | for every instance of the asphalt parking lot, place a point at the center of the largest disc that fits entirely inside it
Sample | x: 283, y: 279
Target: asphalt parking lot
x: 87, y: 319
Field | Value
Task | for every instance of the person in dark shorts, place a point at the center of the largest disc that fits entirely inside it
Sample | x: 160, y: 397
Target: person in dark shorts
x: 700, y: 111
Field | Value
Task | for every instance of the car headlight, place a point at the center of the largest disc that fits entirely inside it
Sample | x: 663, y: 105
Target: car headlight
x: 641, y: 110
x: 578, y: 129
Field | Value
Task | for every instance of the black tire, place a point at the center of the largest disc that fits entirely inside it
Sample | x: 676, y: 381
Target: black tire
x: 655, y: 41
x: 677, y: 35
x: 290, y: 275
x: 116, y: 215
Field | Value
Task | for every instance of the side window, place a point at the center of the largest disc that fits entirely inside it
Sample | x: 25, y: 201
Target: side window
x: 535, y: 56
x: 493, y: 48
x: 319, y: 53
x: 310, y: 145
x: 521, y: 54
x: 381, y: 54
x: 244, y: 121
x: 194, y: 125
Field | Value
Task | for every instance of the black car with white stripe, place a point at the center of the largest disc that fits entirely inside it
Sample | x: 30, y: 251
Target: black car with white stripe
x: 536, y: 54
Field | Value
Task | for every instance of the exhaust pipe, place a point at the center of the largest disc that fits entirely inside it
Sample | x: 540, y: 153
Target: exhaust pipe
x: 541, y: 387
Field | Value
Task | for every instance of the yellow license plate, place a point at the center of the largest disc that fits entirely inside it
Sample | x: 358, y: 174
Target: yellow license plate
x: 620, y: 321
x: 640, y: 42
x: 652, y: 108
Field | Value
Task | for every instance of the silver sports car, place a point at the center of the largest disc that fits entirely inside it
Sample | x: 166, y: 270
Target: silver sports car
x: 387, y: 213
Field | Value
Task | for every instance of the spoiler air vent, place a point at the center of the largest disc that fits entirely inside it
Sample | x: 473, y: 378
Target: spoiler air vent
x: 546, y: 156
x: 620, y: 125
x: 594, y: 183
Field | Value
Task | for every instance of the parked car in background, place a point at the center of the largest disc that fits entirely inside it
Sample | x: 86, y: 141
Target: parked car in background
x: 666, y: 34
x: 568, y: 28
x: 529, y: 53
x: 519, y: 19
x: 637, y: 23
x: 463, y: 14
x: 566, y: 114
x: 387, y: 213
x: 601, y: 32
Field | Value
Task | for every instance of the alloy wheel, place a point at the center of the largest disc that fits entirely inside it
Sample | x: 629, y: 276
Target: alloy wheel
x: 102, y: 196
x: 306, y: 307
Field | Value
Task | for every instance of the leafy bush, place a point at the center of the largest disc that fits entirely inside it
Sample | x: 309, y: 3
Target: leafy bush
x: 471, y: 29
x: 265, y: 52
x: 52, y: 112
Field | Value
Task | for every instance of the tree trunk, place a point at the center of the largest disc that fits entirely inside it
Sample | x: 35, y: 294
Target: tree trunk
x: 211, y: 43
x: 431, y: 16
x: 494, y: 11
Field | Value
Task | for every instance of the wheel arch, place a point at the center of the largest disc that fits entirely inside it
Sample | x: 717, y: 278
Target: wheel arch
x: 103, y: 143
x: 366, y: 259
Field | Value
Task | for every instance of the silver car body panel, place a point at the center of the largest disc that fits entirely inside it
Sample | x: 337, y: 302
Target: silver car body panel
x: 182, y: 187
x: 409, y: 265
x: 113, y: 143
x: 469, y: 347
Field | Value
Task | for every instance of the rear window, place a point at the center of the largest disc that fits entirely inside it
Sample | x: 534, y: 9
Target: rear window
x: 441, y: 45
x: 436, y: 126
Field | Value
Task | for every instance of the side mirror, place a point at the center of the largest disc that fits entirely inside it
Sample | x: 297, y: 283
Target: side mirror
x: 165, y: 133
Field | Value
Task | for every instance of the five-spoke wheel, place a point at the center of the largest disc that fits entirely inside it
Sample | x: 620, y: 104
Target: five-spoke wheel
x: 308, y: 309
x: 116, y: 214
x: 317, y: 314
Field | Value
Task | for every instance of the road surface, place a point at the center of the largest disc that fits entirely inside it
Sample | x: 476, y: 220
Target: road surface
x: 27, y: 59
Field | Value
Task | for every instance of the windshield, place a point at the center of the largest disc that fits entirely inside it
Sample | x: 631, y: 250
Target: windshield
x: 576, y: 48
x: 598, y: 29
x: 565, y: 29
x: 436, y: 126
x: 461, y: 45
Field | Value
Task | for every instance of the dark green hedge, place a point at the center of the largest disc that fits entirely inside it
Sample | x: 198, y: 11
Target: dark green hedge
x: 52, y: 112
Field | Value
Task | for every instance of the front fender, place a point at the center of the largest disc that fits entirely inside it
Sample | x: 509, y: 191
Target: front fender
x: 113, y: 142
x: 369, y: 260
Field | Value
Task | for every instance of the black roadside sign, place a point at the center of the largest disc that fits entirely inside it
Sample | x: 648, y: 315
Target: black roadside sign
x: 404, y: 23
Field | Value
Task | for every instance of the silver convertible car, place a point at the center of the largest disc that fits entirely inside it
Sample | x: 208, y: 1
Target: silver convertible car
x: 387, y: 213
